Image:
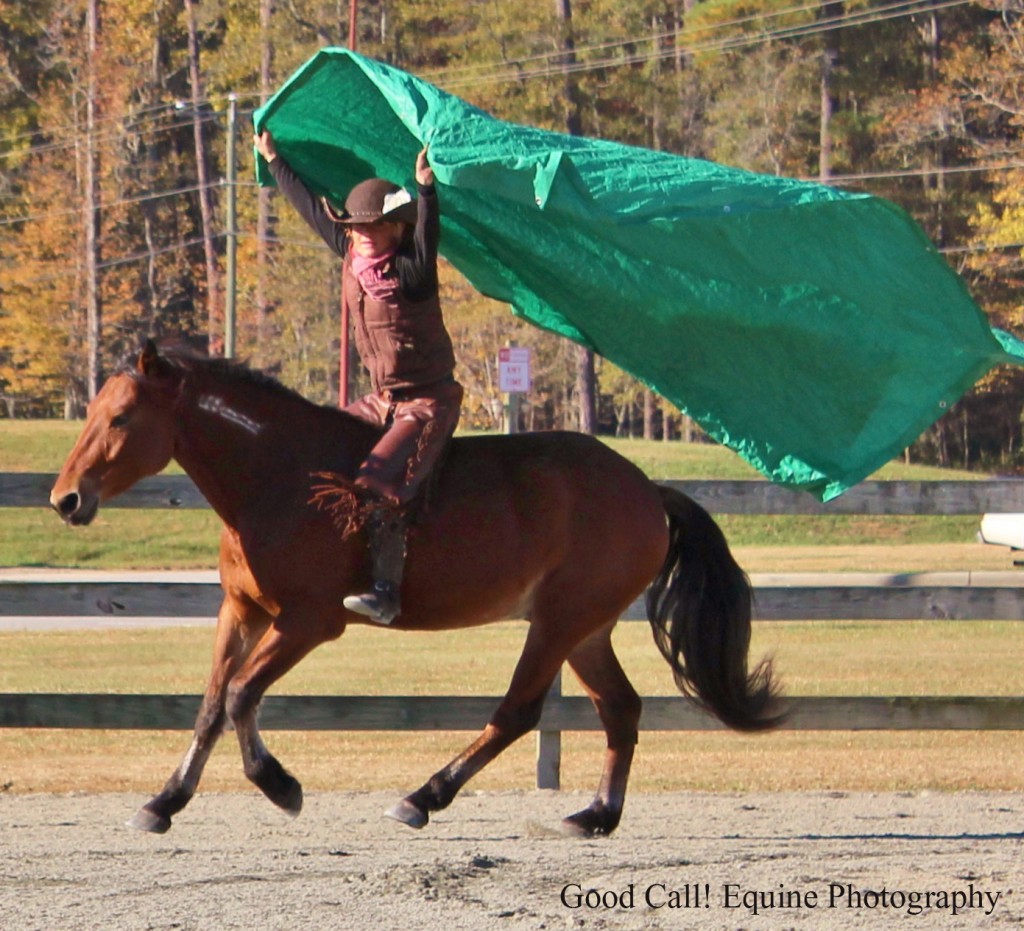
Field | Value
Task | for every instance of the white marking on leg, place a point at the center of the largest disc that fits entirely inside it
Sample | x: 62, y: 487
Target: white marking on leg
x: 192, y: 766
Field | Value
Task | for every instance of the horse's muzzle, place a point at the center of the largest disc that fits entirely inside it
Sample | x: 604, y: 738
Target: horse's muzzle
x: 73, y: 510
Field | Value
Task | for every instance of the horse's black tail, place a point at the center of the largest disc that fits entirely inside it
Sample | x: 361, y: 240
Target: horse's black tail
x: 699, y: 607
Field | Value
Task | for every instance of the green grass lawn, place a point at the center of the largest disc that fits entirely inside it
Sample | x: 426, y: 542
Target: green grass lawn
x: 814, y: 659
x: 906, y: 658
x: 134, y: 539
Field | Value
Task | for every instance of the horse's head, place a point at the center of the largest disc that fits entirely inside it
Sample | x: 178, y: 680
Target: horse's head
x: 129, y: 434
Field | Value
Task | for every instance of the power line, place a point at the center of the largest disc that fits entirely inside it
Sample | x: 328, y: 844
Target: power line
x: 907, y: 174
x: 129, y: 122
x: 178, y: 104
x: 671, y: 36
x: 120, y: 260
x: 441, y: 73
x: 981, y: 249
x: 877, y: 14
x: 100, y: 137
x: 508, y: 71
x: 910, y: 173
x: 72, y: 129
x: 164, y: 250
x: 908, y: 7
x: 125, y: 201
x: 512, y: 71
x: 315, y: 245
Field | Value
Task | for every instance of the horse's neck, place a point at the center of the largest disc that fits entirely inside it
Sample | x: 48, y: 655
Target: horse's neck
x: 220, y: 442
x: 241, y: 442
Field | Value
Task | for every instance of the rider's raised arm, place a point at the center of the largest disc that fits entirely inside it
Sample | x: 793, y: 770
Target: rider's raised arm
x: 308, y: 205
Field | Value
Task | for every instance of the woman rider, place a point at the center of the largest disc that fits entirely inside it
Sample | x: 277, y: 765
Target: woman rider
x: 388, y: 245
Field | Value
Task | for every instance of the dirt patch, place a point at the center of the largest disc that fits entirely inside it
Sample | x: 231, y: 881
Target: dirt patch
x: 495, y: 860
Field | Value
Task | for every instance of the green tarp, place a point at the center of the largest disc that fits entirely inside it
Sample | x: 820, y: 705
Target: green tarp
x: 816, y: 332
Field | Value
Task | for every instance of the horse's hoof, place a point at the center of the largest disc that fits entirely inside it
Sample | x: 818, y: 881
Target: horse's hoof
x: 408, y: 813
x: 291, y: 802
x: 573, y: 827
x: 590, y: 823
x: 146, y: 820
x: 278, y: 785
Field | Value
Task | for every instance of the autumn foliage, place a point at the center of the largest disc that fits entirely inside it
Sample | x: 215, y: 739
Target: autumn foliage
x: 918, y: 102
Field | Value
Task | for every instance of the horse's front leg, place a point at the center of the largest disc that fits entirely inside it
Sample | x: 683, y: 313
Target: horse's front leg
x: 239, y: 625
x: 286, y: 642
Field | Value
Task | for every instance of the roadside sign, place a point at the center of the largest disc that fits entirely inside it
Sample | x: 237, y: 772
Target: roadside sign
x: 514, y: 369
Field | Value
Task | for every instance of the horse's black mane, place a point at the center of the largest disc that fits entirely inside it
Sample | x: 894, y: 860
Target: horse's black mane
x: 183, y: 359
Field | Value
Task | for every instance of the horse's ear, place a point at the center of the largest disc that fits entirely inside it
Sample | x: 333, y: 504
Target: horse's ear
x: 149, y: 359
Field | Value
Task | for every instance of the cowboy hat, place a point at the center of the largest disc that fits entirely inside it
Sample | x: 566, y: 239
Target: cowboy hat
x: 373, y: 201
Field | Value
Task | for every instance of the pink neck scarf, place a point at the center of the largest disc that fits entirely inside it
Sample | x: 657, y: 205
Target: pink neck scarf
x: 373, y: 275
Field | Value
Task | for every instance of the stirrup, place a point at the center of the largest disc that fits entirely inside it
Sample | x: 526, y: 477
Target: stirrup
x: 380, y: 605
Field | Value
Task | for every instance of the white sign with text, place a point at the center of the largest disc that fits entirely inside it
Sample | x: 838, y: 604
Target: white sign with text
x: 514, y: 369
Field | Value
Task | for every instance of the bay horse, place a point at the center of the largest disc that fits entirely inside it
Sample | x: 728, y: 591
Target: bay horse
x: 554, y: 527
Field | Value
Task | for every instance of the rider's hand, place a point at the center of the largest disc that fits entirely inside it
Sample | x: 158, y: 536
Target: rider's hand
x: 424, y: 173
x: 264, y: 143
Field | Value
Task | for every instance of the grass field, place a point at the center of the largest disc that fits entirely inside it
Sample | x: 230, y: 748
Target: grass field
x: 131, y: 539
x: 814, y: 659
x: 909, y: 658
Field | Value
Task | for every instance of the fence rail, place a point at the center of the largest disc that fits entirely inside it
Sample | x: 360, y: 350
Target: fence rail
x: 742, y: 496
x: 924, y: 596
x: 975, y: 596
x: 468, y: 713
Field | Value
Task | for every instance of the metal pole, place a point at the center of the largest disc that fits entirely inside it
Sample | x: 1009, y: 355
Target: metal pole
x: 343, y: 353
x: 231, y: 287
x: 512, y: 407
x: 514, y: 400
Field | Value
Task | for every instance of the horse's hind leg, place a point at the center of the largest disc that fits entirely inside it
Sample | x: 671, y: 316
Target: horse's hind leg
x: 239, y: 625
x: 618, y: 705
x: 517, y: 714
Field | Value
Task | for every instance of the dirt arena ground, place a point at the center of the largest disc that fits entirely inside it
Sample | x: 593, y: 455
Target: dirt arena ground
x: 495, y: 860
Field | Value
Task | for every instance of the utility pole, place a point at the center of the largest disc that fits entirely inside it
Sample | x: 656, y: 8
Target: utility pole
x: 264, y: 220
x: 231, y: 287
x: 586, y: 387
x: 91, y: 183
x: 202, y: 174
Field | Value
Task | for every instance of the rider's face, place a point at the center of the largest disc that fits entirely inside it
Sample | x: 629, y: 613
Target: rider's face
x: 372, y: 240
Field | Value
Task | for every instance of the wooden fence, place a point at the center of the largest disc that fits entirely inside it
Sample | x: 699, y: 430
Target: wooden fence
x: 960, y: 596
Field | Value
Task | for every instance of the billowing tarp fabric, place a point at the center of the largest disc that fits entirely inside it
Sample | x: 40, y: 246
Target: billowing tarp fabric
x: 816, y: 332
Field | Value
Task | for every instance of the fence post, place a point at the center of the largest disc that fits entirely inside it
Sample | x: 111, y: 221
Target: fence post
x: 549, y: 747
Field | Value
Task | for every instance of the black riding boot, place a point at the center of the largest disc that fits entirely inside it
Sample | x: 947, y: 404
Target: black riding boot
x: 387, y: 551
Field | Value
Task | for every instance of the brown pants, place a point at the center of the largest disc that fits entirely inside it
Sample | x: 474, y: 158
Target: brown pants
x: 418, y: 426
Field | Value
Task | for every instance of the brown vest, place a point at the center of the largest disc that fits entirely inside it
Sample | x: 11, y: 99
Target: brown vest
x: 403, y: 343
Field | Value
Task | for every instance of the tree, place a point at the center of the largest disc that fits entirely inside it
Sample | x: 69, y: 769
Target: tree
x: 41, y: 363
x: 91, y: 201
x: 762, y: 92
x: 891, y: 105
x: 205, y: 193
x: 830, y: 12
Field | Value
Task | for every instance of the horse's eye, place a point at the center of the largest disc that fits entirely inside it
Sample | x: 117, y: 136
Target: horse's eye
x: 119, y: 421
